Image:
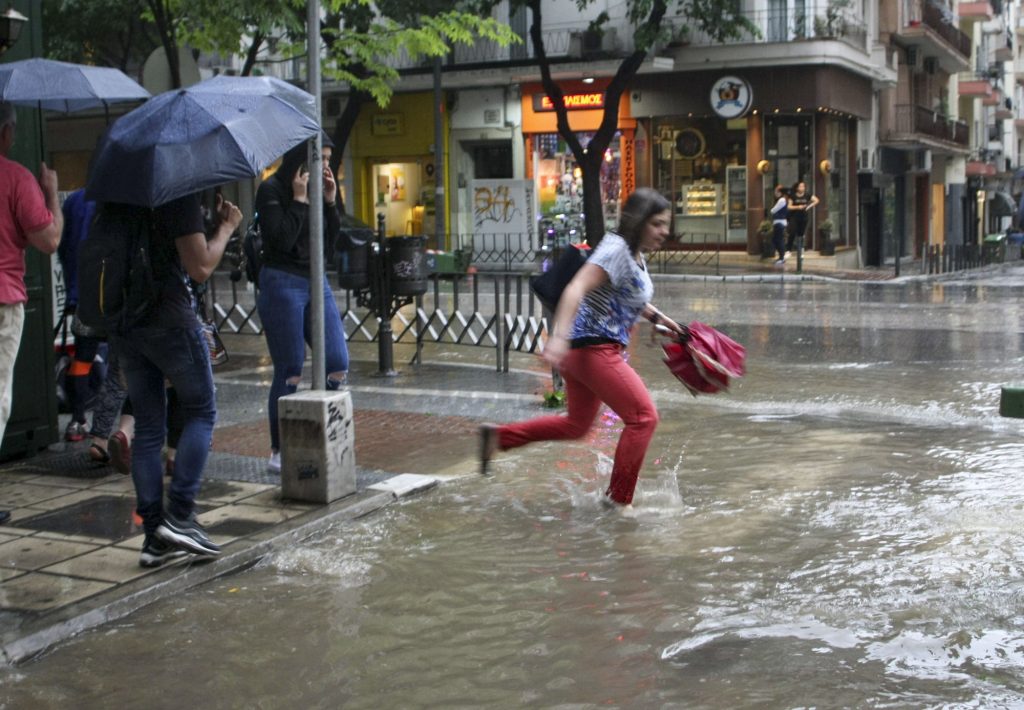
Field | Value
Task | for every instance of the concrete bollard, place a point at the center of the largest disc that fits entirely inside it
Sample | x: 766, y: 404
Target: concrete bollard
x: 318, y: 459
x: 1011, y: 402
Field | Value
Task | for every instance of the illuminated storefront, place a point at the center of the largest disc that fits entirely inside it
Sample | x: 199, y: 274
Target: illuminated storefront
x: 393, y: 165
x: 718, y: 149
x: 550, y: 162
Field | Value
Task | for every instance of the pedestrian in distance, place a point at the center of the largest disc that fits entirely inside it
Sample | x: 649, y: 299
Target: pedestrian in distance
x: 284, y: 300
x: 590, y: 332
x: 170, y: 343
x: 80, y: 381
x: 799, y: 204
x: 109, y: 403
x: 30, y: 216
x: 780, y: 214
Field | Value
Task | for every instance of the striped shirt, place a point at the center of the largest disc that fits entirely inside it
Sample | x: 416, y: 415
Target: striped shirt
x: 610, y: 310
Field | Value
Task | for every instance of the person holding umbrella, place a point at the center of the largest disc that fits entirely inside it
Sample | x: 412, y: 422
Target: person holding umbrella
x: 153, y: 163
x: 588, y: 338
x: 284, y: 299
x: 30, y: 215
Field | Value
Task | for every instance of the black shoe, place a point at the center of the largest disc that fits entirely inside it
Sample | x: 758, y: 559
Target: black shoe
x: 5, y: 515
x: 155, y: 552
x: 187, y: 534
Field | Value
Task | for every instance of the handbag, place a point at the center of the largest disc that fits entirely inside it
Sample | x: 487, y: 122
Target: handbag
x: 549, y: 285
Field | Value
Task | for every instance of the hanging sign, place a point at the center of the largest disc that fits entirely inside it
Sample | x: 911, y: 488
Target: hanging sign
x: 731, y: 97
x: 387, y: 124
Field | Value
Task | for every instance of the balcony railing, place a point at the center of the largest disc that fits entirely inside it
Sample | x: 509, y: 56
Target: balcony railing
x: 815, y: 20
x: 940, y: 23
x: 911, y: 119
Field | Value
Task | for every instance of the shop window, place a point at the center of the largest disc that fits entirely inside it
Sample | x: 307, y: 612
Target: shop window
x: 699, y: 165
x: 837, y: 147
x: 560, y: 183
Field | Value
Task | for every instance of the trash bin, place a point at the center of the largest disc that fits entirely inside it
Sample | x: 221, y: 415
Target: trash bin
x: 1014, y: 246
x: 994, y: 249
x: 407, y: 265
x: 353, y: 254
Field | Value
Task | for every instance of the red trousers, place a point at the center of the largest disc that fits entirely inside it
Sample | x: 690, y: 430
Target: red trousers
x: 593, y: 375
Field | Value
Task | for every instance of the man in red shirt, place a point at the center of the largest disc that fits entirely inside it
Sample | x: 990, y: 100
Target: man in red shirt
x: 29, y: 216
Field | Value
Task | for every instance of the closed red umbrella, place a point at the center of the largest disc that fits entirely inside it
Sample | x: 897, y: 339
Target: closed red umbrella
x: 705, y: 360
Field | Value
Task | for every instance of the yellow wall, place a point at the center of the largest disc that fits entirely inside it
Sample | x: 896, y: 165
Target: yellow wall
x: 412, y: 144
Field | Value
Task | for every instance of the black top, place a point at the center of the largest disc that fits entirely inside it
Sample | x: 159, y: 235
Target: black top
x: 284, y: 224
x: 799, y: 217
x: 175, y: 219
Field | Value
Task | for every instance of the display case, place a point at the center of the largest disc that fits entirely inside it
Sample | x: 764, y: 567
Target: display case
x: 701, y: 199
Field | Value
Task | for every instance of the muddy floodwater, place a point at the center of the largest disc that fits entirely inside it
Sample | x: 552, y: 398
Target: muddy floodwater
x: 843, y: 529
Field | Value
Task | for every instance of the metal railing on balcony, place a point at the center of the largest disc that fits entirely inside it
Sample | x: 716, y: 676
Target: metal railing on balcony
x: 941, y: 22
x: 812, y: 20
x: 911, y: 119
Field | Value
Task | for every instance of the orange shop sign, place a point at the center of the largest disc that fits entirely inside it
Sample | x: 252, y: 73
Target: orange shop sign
x: 573, y: 102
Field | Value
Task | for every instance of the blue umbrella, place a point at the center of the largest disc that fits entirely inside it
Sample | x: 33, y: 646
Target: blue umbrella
x: 60, y: 86
x: 187, y: 140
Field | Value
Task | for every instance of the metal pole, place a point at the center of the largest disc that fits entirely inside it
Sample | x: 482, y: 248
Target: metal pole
x: 315, y: 192
x: 439, y: 225
x: 382, y: 302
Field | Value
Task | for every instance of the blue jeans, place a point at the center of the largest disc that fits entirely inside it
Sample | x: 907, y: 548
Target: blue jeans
x: 284, y: 304
x: 181, y: 355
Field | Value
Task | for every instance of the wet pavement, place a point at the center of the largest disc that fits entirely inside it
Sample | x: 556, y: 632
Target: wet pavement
x: 69, y: 555
x: 68, y: 560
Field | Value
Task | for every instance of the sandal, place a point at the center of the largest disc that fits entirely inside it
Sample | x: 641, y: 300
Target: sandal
x: 98, y: 454
x: 488, y: 445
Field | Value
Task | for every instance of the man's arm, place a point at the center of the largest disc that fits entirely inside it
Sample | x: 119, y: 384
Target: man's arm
x: 47, y: 239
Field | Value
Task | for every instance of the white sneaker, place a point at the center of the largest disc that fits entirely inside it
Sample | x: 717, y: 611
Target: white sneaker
x: 274, y: 464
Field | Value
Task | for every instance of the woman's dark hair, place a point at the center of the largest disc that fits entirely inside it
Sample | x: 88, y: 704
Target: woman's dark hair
x: 643, y: 204
x: 298, y: 155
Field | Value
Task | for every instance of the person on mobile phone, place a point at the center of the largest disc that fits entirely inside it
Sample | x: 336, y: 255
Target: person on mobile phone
x: 284, y: 301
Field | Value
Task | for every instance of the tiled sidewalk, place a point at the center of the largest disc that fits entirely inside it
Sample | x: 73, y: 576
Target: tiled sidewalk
x: 69, y: 556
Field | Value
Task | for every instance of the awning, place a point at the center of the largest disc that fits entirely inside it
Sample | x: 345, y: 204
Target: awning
x: 1002, y: 205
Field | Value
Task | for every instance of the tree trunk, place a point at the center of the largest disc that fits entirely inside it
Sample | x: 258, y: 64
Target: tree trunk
x: 593, y: 205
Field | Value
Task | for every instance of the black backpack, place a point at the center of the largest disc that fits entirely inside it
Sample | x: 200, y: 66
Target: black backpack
x: 252, y: 251
x: 117, y: 286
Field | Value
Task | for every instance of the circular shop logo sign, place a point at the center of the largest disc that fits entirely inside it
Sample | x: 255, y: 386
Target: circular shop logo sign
x: 731, y: 97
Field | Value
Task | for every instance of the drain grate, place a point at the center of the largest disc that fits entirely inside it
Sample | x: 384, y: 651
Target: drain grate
x: 73, y: 464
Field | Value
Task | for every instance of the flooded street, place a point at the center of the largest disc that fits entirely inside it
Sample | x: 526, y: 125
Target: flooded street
x: 842, y: 529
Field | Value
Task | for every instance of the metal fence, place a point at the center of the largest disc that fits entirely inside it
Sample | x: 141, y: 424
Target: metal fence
x: 492, y: 309
x: 955, y: 257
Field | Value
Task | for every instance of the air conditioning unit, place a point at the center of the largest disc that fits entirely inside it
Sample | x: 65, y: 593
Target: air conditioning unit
x: 923, y: 161
x: 931, y: 65
x: 915, y: 60
x: 866, y: 161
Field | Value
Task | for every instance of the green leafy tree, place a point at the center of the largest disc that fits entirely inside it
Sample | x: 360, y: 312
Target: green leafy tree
x: 108, y: 33
x: 360, y: 38
x: 719, y: 19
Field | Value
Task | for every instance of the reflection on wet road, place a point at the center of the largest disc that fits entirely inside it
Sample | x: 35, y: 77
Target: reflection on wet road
x: 841, y: 530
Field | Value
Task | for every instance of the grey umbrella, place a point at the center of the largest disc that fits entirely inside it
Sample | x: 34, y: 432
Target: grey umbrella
x: 187, y: 140
x: 65, y: 87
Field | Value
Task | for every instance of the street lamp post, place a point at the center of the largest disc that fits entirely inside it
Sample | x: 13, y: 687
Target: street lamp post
x: 11, y: 22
